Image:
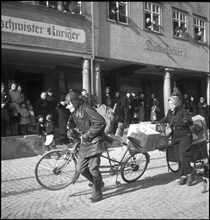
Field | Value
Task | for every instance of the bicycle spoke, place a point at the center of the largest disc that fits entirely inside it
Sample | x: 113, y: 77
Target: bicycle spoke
x: 134, y: 167
x: 55, y: 174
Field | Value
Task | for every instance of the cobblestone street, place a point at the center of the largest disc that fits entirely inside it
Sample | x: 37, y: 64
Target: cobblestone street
x: 155, y: 195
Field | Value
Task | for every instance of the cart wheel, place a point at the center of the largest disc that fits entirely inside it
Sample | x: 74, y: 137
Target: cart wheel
x: 172, y: 165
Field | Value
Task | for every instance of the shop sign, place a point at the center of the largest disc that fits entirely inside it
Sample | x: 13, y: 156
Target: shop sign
x: 40, y: 29
x: 153, y: 47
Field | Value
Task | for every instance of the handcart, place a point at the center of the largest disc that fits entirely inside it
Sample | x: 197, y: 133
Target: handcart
x: 148, y: 137
x: 199, y: 149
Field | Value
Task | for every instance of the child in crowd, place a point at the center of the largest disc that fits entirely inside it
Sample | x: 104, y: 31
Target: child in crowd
x: 50, y: 130
x: 155, y: 111
x: 32, y: 125
x: 40, y: 128
x: 24, y: 119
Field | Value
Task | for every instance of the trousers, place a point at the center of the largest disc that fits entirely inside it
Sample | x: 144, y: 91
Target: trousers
x: 90, y: 164
x: 184, y: 144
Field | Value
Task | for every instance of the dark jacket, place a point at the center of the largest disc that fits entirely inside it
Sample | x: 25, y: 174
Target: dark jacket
x: 63, y: 116
x: 92, y: 125
x: 41, y: 107
x: 180, y: 123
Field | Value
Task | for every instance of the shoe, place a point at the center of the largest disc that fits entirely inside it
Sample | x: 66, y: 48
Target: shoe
x: 190, y: 179
x: 182, y: 180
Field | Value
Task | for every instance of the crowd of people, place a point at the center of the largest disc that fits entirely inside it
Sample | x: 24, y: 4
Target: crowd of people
x: 19, y: 117
x: 135, y: 107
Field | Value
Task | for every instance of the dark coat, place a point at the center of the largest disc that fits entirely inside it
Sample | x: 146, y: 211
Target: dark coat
x: 202, y: 109
x: 180, y: 123
x: 92, y: 125
x: 5, y: 111
x: 63, y: 116
x: 41, y: 107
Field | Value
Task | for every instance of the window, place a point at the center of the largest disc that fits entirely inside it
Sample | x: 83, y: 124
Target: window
x: 199, y: 30
x: 152, y: 15
x: 118, y: 11
x: 64, y: 6
x: 179, y: 24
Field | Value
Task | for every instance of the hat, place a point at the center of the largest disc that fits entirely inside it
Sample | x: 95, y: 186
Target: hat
x: 176, y: 92
x: 176, y: 100
x: 50, y: 90
x: 40, y: 116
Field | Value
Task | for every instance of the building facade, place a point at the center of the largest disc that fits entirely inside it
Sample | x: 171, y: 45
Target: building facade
x: 143, y: 46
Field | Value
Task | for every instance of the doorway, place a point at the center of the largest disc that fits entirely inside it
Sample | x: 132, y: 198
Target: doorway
x: 32, y: 84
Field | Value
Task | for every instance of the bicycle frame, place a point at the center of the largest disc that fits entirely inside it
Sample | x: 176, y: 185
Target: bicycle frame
x: 116, y: 168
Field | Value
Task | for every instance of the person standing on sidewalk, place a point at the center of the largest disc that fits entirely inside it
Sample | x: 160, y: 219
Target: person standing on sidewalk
x: 92, y: 125
x: 179, y: 120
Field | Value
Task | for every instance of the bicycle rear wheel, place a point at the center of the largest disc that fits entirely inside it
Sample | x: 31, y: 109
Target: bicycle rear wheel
x: 56, y: 169
x: 134, y: 167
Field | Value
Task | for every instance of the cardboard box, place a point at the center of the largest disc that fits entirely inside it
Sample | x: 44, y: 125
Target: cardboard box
x: 147, y: 138
x: 163, y: 142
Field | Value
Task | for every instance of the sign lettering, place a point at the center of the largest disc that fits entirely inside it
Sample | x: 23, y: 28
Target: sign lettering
x: 40, y: 29
x: 162, y: 49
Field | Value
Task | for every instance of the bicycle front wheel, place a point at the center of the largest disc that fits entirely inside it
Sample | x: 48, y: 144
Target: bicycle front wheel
x: 56, y: 169
x: 134, y: 167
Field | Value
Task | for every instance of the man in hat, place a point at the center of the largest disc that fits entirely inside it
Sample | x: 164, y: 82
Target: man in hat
x: 107, y: 97
x: 84, y: 96
x: 179, y: 120
x: 91, y: 124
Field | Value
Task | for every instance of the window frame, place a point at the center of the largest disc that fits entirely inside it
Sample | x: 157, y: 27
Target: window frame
x: 47, y: 6
x: 152, y: 13
x: 204, y: 28
x: 117, y: 6
x: 181, y: 12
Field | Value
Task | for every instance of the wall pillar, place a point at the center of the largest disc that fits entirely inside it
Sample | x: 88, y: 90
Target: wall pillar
x: 86, y: 76
x: 166, y: 89
x: 207, y: 92
x: 97, y: 74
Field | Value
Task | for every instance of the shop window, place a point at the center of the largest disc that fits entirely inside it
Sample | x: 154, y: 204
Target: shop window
x: 73, y: 7
x: 118, y: 11
x: 179, y: 24
x: 152, y: 15
x: 199, y: 30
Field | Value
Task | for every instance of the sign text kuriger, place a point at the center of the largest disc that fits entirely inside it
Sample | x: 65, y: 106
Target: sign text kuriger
x: 40, y: 29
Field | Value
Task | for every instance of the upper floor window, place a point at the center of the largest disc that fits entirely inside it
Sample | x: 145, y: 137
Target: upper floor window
x: 179, y: 24
x: 73, y: 7
x: 199, y: 30
x: 152, y: 15
x: 118, y: 11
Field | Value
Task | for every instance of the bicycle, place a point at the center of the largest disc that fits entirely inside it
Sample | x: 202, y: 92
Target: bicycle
x: 59, y: 172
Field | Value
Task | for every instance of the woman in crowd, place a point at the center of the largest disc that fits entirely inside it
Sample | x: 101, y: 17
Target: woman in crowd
x: 127, y: 109
x: 15, y: 100
x: 5, y: 110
